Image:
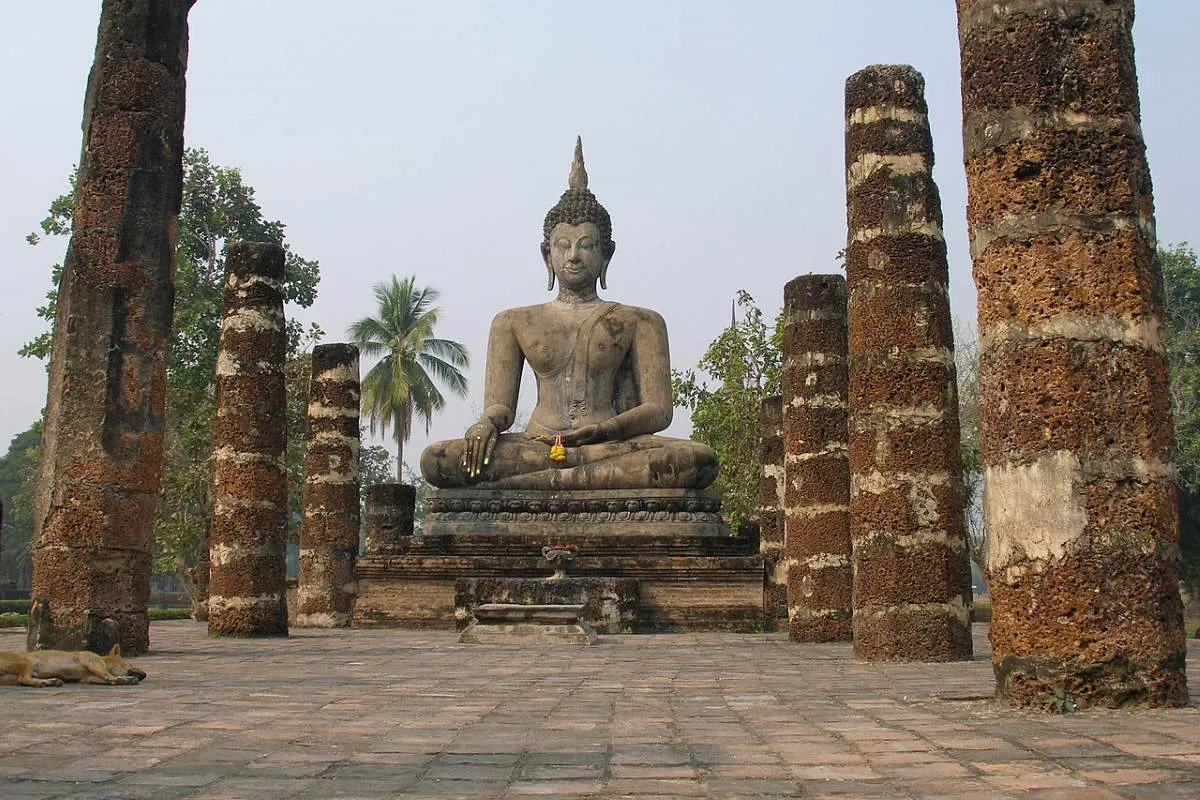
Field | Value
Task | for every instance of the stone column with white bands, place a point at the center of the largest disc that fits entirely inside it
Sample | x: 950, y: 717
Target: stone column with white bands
x: 1077, y: 441
x: 248, y: 545
x: 912, y: 578
x: 770, y: 512
x: 329, y: 530
x: 100, y: 465
x: 816, y: 505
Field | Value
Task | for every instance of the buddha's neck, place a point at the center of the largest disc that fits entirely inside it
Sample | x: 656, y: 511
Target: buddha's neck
x: 573, y: 297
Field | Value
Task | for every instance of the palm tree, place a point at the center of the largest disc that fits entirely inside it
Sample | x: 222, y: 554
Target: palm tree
x: 413, y: 362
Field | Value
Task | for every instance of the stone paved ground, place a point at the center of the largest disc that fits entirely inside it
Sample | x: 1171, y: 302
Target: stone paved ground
x: 376, y: 714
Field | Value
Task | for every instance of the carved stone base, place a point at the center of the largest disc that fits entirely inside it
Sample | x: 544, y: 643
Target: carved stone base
x: 624, y: 512
x: 688, y: 573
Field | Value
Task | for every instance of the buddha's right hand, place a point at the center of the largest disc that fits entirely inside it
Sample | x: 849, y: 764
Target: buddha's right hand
x: 480, y: 442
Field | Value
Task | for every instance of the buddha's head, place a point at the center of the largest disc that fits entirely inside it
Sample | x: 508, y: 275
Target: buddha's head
x: 578, y: 227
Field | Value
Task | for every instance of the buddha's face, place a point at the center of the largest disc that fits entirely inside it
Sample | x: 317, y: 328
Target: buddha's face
x: 577, y: 255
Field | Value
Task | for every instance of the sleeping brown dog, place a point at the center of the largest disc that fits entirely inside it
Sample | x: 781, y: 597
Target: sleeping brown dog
x: 55, y: 667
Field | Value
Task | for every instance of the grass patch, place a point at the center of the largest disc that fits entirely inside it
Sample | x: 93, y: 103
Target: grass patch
x: 170, y: 613
x: 13, y: 619
x: 981, y: 610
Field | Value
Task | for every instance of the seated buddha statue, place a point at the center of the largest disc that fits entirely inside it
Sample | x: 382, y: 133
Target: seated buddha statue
x: 603, y: 380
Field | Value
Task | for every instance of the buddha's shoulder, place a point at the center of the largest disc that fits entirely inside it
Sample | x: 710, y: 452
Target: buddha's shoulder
x: 525, y: 315
x: 639, y: 314
x: 518, y: 315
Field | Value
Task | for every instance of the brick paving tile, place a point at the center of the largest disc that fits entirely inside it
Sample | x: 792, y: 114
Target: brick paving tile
x: 341, y: 714
x: 556, y: 788
x: 1126, y: 776
x: 955, y: 789
x: 1189, y: 790
x: 835, y: 772
x: 848, y: 789
x: 131, y: 793
x: 721, y: 787
x: 938, y: 769
x: 682, y: 772
x: 644, y: 789
x: 1083, y: 793
x: 910, y: 758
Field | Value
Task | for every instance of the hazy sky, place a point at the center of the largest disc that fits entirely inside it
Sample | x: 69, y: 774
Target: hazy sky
x: 429, y: 138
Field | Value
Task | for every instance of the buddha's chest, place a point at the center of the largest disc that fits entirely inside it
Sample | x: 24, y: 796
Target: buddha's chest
x: 599, y: 345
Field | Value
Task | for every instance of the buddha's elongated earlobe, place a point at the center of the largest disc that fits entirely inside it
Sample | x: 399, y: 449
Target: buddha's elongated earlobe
x: 611, y: 248
x: 549, y: 269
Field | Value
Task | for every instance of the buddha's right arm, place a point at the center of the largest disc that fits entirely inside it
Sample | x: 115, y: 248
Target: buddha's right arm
x: 502, y: 374
x: 500, y: 416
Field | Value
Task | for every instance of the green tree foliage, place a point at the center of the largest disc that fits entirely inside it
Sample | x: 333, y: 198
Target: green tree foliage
x: 218, y: 208
x: 1181, y: 340
x: 743, y: 366
x: 966, y: 364
x: 374, y: 467
x: 412, y: 361
x: 17, y: 472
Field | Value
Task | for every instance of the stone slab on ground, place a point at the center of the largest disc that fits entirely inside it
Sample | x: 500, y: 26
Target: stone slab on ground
x: 402, y: 713
x: 609, y: 604
x: 528, y: 624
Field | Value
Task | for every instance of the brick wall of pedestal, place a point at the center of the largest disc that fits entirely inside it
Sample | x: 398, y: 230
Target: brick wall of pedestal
x: 1077, y: 440
x: 911, y: 568
x: 388, y: 516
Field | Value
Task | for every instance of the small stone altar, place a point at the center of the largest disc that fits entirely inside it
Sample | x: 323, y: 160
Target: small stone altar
x: 591, y: 469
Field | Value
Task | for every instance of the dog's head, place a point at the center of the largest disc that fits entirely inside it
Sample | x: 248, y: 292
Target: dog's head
x: 119, y: 666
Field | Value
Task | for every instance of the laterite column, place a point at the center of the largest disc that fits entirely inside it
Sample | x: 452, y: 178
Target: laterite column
x: 1077, y: 441
x: 770, y: 512
x: 100, y: 468
x: 329, y: 530
x: 817, y: 473
x: 912, y: 576
x: 248, y: 546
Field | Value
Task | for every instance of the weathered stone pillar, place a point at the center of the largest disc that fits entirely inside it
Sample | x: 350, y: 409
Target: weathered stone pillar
x: 247, y: 584
x: 770, y: 512
x: 817, y: 474
x: 101, y: 459
x: 1079, y: 497
x: 912, y: 577
x: 329, y: 530
x: 388, y: 516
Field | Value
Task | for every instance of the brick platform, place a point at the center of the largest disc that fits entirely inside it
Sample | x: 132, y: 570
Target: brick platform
x: 335, y: 713
x: 691, y: 574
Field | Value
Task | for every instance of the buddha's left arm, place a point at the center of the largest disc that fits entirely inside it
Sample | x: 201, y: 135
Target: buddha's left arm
x: 652, y: 367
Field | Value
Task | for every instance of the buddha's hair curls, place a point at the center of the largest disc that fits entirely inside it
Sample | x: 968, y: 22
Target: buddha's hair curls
x: 578, y: 205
